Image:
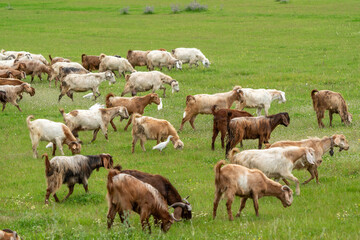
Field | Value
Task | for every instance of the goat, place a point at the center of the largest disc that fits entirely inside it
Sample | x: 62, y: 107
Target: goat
x: 112, y: 63
x: 202, y: 104
x: 182, y: 208
x: 145, y: 81
x: 55, y: 69
x: 72, y: 170
x: 64, y: 71
x: 84, y: 82
x: 145, y: 128
x: 253, y: 128
x: 137, y: 58
x: 16, y: 82
x: 191, y: 56
x: 333, y: 101
x: 90, y: 62
x: 12, y: 73
x: 274, y: 162
x: 157, y: 58
x: 55, y: 132
x: 58, y: 59
x: 13, y: 92
x: 35, y: 68
x: 82, y: 120
x: 246, y: 183
x: 260, y: 99
x: 7, y: 234
x: 133, y: 104
x: 220, y: 122
x: 126, y: 193
x: 321, y: 146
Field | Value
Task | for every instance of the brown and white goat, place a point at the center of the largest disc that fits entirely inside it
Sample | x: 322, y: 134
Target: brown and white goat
x: 16, y: 82
x: 253, y: 128
x: 93, y: 120
x: 49, y: 131
x: 15, y: 91
x: 321, y: 146
x: 202, y: 104
x: 220, y: 122
x: 58, y: 59
x: 89, y: 62
x: 235, y: 180
x: 182, y: 208
x: 7, y: 234
x: 133, y: 104
x: 71, y: 170
x: 274, y: 162
x: 333, y: 102
x: 145, y: 128
x: 127, y: 193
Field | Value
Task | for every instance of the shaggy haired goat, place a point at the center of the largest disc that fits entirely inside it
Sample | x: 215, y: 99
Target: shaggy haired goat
x: 332, y: 101
x: 235, y: 180
x: 253, y: 128
x: 72, y: 170
x: 321, y: 146
x: 90, y: 62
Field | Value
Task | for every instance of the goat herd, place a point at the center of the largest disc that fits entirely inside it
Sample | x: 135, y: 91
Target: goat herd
x: 249, y: 174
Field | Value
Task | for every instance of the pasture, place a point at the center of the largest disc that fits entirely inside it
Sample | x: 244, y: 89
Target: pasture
x: 293, y: 47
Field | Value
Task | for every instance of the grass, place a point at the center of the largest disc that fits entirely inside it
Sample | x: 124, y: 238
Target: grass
x: 294, y: 47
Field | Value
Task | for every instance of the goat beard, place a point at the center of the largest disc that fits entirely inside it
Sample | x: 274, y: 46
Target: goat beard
x: 331, y: 152
x: 97, y: 169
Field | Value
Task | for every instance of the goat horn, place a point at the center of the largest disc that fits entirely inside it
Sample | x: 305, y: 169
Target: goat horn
x: 185, y: 199
x: 176, y: 220
x: 178, y: 204
x: 285, y: 188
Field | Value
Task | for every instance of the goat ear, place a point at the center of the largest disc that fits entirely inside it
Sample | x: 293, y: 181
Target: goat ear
x: 337, y: 141
x: 310, y: 157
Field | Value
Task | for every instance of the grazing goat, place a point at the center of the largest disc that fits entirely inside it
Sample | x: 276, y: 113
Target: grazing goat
x: 137, y: 57
x: 235, y: 180
x: 58, y: 59
x: 121, y: 65
x: 126, y: 193
x: 220, y: 122
x: 145, y: 81
x: 90, y: 63
x: 49, y: 131
x: 7, y: 234
x: 260, y: 99
x: 146, y: 128
x: 93, y: 120
x: 191, y: 56
x: 55, y: 69
x: 321, y: 146
x: 84, y: 82
x: 182, y: 208
x: 274, y: 162
x: 35, y: 68
x: 160, y: 59
x: 12, y: 73
x: 202, y: 104
x: 133, y: 104
x: 13, y: 92
x: 253, y: 128
x: 332, y: 101
x: 72, y: 170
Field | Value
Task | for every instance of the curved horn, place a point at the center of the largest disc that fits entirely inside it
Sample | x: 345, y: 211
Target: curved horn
x: 176, y: 220
x: 185, y: 200
x: 178, y: 204
x: 285, y: 188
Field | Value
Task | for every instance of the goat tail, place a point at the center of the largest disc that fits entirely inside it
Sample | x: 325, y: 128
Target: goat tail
x: 101, y: 56
x: 217, y: 170
x: 129, y: 53
x: 127, y: 77
x: 267, y: 145
x: 50, y: 57
x: 61, y: 110
x: 173, y: 51
x: 82, y: 57
x: 28, y: 119
x: 47, y: 164
x: 190, y: 99
x: 213, y: 109
x: 133, y: 117
x: 3, y: 97
x: 112, y: 173
x: 232, y: 153
x: 313, y: 94
x: 107, y: 99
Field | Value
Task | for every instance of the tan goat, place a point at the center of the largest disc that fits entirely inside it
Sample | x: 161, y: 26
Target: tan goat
x: 13, y: 92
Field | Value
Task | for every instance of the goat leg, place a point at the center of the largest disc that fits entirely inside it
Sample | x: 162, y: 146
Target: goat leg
x: 71, y: 190
x: 242, y: 206
x: 113, y: 125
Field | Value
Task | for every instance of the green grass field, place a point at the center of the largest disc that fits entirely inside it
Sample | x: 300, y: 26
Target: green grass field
x: 294, y: 47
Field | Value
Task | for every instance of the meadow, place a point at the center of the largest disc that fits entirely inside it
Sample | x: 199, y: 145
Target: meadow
x: 294, y: 47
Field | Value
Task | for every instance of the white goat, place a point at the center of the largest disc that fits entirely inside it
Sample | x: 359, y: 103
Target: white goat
x: 121, y: 65
x: 191, y: 56
x: 145, y: 81
x: 157, y: 58
x: 84, y: 82
x: 274, y: 162
x: 260, y: 98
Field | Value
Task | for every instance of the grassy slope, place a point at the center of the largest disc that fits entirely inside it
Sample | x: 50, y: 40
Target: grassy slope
x: 294, y: 47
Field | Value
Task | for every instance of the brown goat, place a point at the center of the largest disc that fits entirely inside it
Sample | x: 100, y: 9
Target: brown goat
x: 13, y: 92
x: 16, y: 82
x: 35, y: 68
x: 332, y: 101
x: 126, y: 193
x: 235, y: 180
x: 12, y: 73
x: 253, y: 128
x: 133, y: 104
x: 58, y: 59
x: 137, y: 58
x: 7, y: 234
x: 90, y: 63
x: 220, y: 122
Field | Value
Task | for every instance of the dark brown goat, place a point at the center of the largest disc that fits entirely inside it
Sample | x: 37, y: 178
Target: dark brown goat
x: 133, y: 104
x: 332, y: 101
x: 72, y: 170
x: 220, y: 122
x: 126, y: 193
x: 90, y: 62
x: 182, y: 208
x: 254, y: 127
